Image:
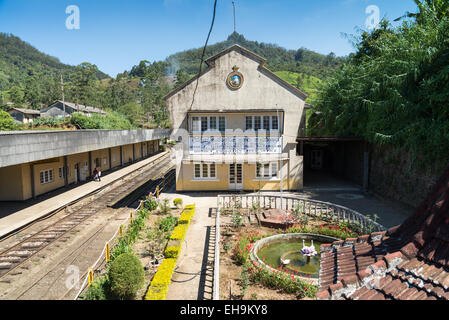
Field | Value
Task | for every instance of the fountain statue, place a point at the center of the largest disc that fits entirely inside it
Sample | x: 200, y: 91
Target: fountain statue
x: 308, y: 251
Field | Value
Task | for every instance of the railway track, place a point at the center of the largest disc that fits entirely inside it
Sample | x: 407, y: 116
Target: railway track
x: 21, y: 252
x: 51, y: 283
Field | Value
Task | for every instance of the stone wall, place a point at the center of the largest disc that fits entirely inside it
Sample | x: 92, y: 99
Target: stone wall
x: 392, y: 176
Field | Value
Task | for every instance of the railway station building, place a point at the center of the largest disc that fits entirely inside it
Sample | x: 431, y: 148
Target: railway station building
x: 33, y: 163
x: 238, y: 123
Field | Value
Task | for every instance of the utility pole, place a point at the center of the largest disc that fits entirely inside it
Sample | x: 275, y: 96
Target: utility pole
x: 233, y: 4
x: 62, y: 89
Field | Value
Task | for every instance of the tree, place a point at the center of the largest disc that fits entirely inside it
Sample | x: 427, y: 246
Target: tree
x: 83, y: 87
x: 181, y: 78
x: 132, y: 110
x: 438, y: 7
x: 16, y: 95
x: 32, y: 93
x: 299, y: 82
x: 6, y: 121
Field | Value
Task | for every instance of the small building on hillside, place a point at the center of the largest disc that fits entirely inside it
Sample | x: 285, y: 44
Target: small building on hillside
x: 62, y: 109
x: 240, y: 130
x: 24, y: 115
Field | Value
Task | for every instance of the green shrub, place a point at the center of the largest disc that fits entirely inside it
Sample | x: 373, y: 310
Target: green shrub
x: 111, y: 121
x: 151, y: 204
x: 165, y: 206
x: 186, y: 216
x: 164, y: 273
x: 177, y: 202
x: 126, y: 276
x: 156, y: 293
x: 281, y: 280
x: 243, y: 246
x: 173, y: 249
x: 98, y: 291
x: 167, y: 224
x: 237, y: 220
x: 121, y: 247
x: 7, y: 122
x: 329, y: 230
x: 179, y: 232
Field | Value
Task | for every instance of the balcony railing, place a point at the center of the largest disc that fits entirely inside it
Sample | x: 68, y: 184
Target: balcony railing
x: 235, y: 145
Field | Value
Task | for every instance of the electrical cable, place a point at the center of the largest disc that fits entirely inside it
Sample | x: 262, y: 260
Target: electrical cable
x: 203, y: 54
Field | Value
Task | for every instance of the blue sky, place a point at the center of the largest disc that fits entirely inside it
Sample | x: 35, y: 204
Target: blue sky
x: 117, y: 34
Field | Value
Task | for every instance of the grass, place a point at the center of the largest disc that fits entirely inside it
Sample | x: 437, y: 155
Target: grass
x: 310, y: 84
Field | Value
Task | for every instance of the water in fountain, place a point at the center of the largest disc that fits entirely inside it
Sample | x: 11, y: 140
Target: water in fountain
x: 291, y: 250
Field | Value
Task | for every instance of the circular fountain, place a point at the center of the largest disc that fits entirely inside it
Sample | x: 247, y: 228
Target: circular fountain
x: 298, y: 253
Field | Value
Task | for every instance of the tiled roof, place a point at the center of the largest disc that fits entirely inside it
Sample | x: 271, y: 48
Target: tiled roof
x: 408, y: 262
x: 27, y: 111
x: 82, y: 108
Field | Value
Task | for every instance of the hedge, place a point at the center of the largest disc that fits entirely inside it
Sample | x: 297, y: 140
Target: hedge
x: 162, y: 279
x: 156, y: 293
x: 173, y: 249
x: 164, y: 273
x: 186, y: 216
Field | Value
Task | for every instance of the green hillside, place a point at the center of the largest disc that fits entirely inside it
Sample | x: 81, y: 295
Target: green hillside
x: 304, y: 82
x: 302, y: 61
x: 28, y: 76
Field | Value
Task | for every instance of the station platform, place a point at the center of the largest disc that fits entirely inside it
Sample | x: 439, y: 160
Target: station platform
x: 20, y: 219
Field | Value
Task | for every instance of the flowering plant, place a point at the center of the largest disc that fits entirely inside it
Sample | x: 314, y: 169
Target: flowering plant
x: 280, y: 279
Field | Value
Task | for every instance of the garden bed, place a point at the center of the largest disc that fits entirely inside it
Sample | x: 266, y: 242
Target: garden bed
x: 241, y: 279
x: 146, y: 238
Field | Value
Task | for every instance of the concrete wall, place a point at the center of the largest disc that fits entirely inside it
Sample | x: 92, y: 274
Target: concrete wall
x: 28, y: 146
x: 394, y: 176
x: 11, y: 183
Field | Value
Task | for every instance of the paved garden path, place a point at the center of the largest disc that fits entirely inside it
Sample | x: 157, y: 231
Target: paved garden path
x: 193, y: 276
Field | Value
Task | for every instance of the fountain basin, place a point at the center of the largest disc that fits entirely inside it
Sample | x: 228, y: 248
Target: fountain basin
x: 287, y: 247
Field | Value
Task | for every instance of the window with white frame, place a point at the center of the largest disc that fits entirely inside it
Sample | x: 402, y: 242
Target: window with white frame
x: 222, y: 124
x: 208, y: 123
x: 213, y: 123
x: 196, y: 124
x: 274, y: 123
x: 61, y: 172
x: 46, y: 176
x: 268, y: 123
x: 204, y: 124
x: 249, y: 123
x: 205, y: 171
x: 267, y: 170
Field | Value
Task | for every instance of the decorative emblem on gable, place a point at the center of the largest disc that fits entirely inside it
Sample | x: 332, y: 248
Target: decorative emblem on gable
x: 235, y: 79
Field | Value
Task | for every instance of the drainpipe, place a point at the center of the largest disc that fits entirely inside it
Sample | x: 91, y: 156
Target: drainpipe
x: 65, y: 171
x: 33, y: 189
x: 134, y: 152
x: 90, y: 163
x: 110, y: 159
x: 121, y: 156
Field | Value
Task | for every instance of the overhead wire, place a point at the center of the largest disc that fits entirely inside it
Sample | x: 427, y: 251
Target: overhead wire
x: 203, y: 54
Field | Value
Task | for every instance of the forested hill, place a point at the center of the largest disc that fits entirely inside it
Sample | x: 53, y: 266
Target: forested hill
x: 19, y: 60
x: 278, y: 59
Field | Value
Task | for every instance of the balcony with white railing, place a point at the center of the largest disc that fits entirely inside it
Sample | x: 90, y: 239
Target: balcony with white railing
x: 235, y: 145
